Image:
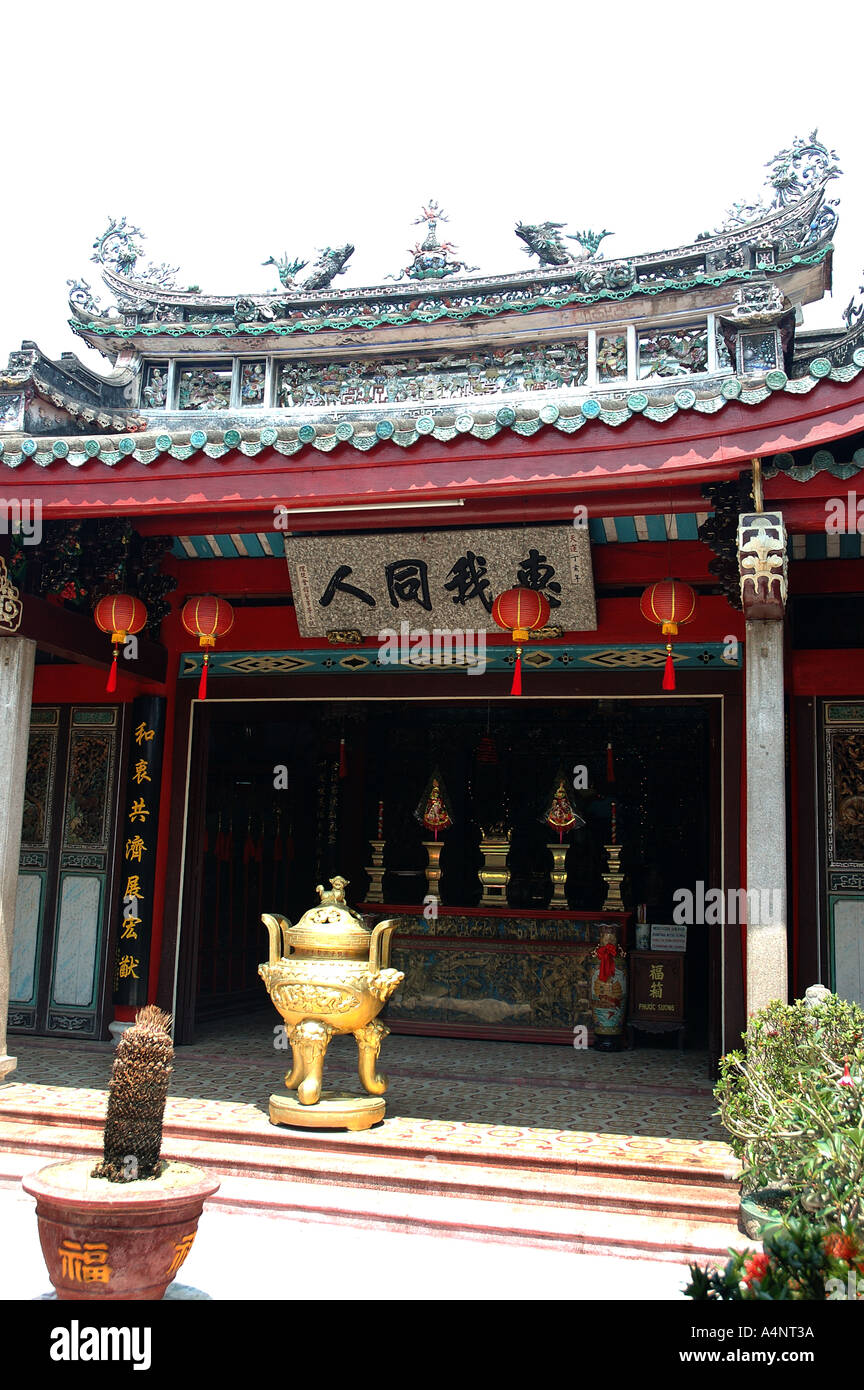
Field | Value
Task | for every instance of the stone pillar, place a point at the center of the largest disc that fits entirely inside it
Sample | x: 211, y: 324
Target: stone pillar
x: 762, y: 562
x: 17, y: 658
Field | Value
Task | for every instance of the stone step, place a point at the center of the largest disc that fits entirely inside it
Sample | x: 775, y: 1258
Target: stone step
x: 444, y: 1175
x: 567, y: 1228
x: 638, y: 1158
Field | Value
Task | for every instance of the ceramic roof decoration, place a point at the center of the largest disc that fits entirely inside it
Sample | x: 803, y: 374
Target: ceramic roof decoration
x: 574, y: 342
x: 432, y: 259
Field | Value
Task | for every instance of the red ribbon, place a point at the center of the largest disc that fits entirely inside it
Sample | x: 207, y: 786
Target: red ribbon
x: 606, y: 955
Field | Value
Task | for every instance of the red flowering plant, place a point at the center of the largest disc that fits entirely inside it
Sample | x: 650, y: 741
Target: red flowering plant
x: 801, y: 1260
x: 792, y: 1103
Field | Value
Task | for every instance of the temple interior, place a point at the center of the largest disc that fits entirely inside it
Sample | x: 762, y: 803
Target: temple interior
x: 297, y: 790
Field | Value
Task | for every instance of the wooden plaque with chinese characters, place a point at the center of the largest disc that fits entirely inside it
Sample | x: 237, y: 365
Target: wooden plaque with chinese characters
x: 443, y: 579
x: 656, y: 988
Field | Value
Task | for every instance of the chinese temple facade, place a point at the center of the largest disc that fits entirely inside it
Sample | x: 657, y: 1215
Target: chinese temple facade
x: 357, y: 475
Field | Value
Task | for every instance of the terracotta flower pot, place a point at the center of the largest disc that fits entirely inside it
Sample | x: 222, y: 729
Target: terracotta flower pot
x: 107, y: 1240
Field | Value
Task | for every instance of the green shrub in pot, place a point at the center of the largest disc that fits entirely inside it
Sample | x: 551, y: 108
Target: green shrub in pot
x: 792, y: 1103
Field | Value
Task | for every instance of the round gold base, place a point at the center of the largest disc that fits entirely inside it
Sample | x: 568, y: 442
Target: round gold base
x: 333, y: 1111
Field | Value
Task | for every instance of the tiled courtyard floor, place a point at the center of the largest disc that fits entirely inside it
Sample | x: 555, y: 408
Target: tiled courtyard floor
x: 456, y: 1087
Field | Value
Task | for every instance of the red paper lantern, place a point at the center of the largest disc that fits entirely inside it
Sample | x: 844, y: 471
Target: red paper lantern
x: 521, y: 612
x: 118, y: 614
x: 670, y: 603
x: 207, y: 618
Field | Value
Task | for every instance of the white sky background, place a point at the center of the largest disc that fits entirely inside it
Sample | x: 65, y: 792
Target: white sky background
x: 229, y: 132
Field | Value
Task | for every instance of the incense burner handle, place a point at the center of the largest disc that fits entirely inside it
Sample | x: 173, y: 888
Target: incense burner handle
x: 379, y: 946
x: 277, y: 926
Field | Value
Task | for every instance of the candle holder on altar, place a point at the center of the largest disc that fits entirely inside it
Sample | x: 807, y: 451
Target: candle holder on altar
x: 495, y: 875
x: 613, y: 880
x: 376, y: 871
x: 433, y: 850
x: 560, y: 815
x: 434, y: 814
x: 559, y: 873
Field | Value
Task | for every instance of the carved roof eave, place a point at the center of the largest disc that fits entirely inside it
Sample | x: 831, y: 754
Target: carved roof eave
x: 80, y: 392
x: 803, y: 279
x: 554, y: 411
x: 151, y: 296
x: 93, y: 417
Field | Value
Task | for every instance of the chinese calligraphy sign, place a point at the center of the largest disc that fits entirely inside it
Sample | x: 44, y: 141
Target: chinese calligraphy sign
x: 657, y: 987
x: 137, y: 877
x: 445, y: 579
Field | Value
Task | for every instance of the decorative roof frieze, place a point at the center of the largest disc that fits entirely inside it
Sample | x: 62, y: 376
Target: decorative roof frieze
x: 350, y: 313
x: 405, y: 427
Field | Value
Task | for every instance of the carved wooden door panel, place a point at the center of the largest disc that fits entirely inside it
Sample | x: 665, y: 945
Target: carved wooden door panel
x: 65, y: 872
x: 843, y: 845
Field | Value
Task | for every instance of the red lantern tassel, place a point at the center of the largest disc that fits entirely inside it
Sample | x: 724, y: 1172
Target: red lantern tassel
x: 516, y: 687
x: 669, y: 672
x: 111, y: 685
x: 202, y: 684
x: 610, y: 766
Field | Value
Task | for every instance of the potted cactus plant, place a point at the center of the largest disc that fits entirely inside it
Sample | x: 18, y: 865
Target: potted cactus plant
x: 122, y: 1230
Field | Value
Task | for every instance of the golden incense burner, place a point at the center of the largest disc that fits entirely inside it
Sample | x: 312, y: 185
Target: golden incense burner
x: 331, y: 976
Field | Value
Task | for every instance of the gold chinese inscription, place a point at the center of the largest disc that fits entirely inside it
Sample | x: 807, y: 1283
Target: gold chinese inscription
x: 181, y: 1250
x: 658, y: 988
x: 139, y: 772
x: 129, y: 930
x: 143, y: 734
x: 85, y: 1263
x: 135, y: 847
x: 139, y: 810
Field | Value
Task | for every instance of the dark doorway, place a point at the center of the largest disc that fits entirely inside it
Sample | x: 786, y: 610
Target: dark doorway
x: 294, y: 791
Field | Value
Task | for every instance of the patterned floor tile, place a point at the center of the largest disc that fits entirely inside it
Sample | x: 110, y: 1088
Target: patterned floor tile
x: 489, y: 1092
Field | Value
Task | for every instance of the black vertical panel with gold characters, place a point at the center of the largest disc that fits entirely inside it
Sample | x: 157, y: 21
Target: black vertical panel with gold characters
x: 139, y: 827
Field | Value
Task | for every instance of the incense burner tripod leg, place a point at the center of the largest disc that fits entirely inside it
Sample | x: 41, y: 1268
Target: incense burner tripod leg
x: 309, y: 1041
x: 369, y: 1040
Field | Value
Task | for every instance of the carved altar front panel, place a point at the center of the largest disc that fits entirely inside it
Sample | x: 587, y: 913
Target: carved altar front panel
x: 496, y: 974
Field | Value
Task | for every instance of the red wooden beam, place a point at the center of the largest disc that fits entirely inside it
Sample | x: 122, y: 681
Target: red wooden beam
x: 618, y: 620
x: 829, y: 673
x: 75, y: 637
x: 826, y: 577
x: 642, y: 454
